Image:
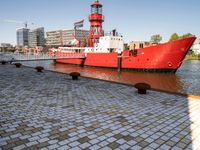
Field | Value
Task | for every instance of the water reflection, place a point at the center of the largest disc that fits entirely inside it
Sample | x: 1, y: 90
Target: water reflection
x: 168, y: 82
x: 184, y: 81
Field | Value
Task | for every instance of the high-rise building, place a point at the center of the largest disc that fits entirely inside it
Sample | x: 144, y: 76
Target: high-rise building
x: 36, y: 37
x: 22, y: 37
x: 66, y: 37
x: 54, y: 38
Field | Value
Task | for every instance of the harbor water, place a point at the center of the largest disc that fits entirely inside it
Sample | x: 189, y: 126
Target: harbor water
x: 186, y: 79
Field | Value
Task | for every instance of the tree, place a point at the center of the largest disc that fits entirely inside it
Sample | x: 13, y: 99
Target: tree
x: 84, y: 42
x: 156, y: 38
x: 174, y: 37
x: 186, y: 35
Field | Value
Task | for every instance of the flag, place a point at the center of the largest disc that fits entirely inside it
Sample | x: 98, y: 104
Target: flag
x: 78, y: 24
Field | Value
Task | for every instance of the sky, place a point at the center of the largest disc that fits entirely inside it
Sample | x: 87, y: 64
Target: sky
x: 136, y: 20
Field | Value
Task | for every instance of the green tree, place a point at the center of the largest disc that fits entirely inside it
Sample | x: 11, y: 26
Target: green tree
x: 186, y: 35
x: 84, y: 42
x: 156, y: 38
x: 174, y: 37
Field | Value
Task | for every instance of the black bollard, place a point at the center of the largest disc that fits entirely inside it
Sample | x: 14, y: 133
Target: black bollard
x: 3, y: 62
x: 18, y: 65
x: 39, y: 68
x: 142, y: 87
x: 74, y: 75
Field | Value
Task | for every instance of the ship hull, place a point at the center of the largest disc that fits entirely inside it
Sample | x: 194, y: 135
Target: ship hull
x: 165, y: 57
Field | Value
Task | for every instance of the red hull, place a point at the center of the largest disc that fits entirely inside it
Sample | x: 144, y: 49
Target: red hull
x: 165, y: 57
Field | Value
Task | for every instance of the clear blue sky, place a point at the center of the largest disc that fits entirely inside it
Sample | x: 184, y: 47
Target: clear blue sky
x: 136, y: 20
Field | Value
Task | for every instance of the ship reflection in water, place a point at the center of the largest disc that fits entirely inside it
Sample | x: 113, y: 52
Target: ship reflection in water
x: 166, y: 82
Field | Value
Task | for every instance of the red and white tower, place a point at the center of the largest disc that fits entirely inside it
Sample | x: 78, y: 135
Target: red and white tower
x: 96, y: 19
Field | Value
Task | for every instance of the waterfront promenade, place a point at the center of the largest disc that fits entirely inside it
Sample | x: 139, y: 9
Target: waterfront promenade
x: 50, y: 111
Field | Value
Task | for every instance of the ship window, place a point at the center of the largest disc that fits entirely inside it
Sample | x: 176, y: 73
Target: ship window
x: 141, y: 45
x: 134, y: 53
x: 96, y: 10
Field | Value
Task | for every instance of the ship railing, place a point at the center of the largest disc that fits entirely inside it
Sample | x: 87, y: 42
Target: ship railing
x: 42, y: 56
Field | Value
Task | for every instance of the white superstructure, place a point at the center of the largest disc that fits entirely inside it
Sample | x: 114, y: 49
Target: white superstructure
x: 106, y: 44
x: 110, y: 44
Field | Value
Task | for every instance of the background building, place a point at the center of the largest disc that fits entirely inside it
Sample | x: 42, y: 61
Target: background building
x: 36, y: 37
x: 138, y: 44
x: 6, y: 47
x: 54, y: 38
x: 196, y: 47
x: 66, y: 37
x: 22, y: 37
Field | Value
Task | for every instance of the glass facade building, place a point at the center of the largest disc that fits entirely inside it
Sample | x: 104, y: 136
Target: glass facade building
x: 36, y: 37
x: 22, y: 37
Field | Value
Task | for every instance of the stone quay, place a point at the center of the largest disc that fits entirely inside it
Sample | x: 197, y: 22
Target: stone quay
x: 49, y: 110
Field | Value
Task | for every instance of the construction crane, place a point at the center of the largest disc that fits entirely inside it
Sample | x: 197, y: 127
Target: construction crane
x: 18, y: 22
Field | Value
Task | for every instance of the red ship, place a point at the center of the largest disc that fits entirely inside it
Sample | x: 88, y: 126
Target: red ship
x: 108, y: 50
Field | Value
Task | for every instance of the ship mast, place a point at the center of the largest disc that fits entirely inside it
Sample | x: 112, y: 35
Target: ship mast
x: 96, y: 19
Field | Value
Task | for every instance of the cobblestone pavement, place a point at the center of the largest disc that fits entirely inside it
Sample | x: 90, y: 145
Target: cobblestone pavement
x: 50, y: 111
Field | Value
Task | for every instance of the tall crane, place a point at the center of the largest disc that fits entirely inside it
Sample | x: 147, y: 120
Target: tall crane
x: 18, y: 22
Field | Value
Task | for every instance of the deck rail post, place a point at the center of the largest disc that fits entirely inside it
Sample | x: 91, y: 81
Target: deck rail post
x: 119, y: 65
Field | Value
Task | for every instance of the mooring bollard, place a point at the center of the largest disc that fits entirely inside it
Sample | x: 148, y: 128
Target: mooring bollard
x: 142, y: 87
x: 18, y: 65
x: 39, y: 68
x: 74, y: 75
x: 3, y: 62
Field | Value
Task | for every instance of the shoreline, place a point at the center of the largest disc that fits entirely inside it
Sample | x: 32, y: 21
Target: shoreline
x: 192, y: 57
x: 131, y: 85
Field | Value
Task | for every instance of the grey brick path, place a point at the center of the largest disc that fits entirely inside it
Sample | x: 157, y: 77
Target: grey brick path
x: 50, y: 111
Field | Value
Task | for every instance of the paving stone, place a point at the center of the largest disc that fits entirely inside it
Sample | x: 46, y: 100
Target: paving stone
x: 75, y: 148
x: 20, y: 147
x: 74, y: 144
x: 64, y: 142
x: 83, y: 140
x: 165, y: 147
x: 42, y: 145
x: 59, y: 113
x: 31, y: 143
x: 118, y: 136
x: 52, y: 142
x: 94, y: 141
x: 181, y: 145
x: 54, y: 146
x: 43, y: 140
x: 110, y: 140
x: 103, y: 143
x: 159, y: 141
x: 121, y: 141
x: 154, y: 145
x: 170, y: 143
x: 114, y: 145
x: 124, y: 146
x: 96, y: 147
x: 84, y: 145
x: 65, y: 147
